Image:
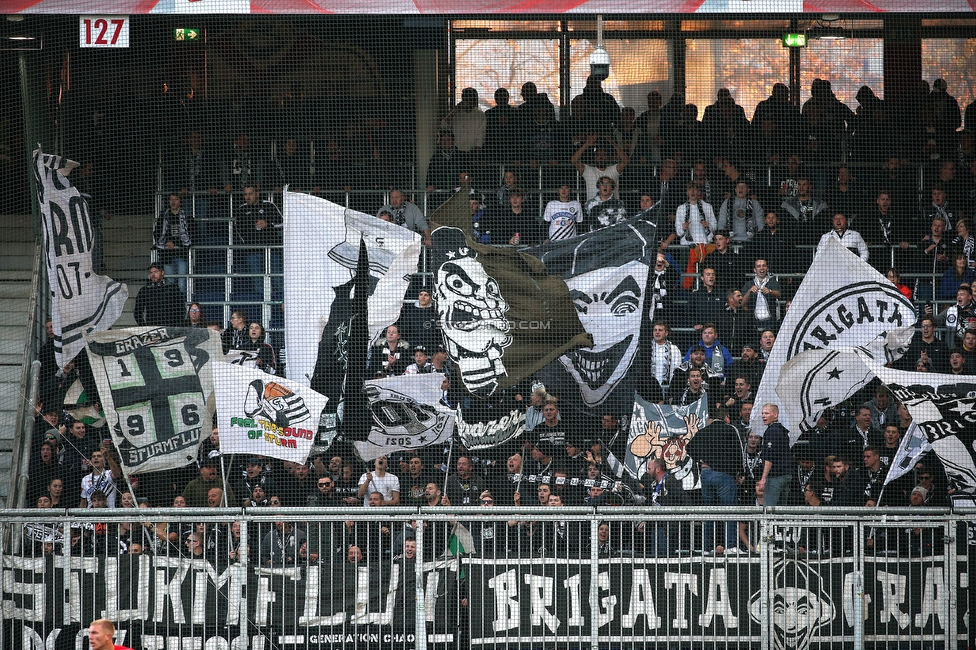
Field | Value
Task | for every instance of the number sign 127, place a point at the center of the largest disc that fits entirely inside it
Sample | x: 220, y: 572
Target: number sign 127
x: 104, y: 31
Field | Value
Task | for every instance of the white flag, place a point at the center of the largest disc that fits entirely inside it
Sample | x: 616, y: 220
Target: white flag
x: 156, y: 387
x: 262, y: 414
x: 816, y: 380
x: 407, y: 414
x: 321, y: 242
x: 913, y: 446
x: 841, y: 303
x: 83, y: 302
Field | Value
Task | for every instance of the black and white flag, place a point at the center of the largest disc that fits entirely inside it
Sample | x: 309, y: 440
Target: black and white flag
x: 606, y: 272
x: 841, y: 303
x: 943, y: 407
x: 407, y: 413
x: 816, y: 380
x: 83, y: 302
x: 321, y: 242
x: 157, y: 389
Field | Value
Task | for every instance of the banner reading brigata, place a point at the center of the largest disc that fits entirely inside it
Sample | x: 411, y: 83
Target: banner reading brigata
x: 261, y: 414
x: 156, y: 386
x: 82, y: 301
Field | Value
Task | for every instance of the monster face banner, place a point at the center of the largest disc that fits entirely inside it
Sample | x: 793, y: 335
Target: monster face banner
x: 503, y: 316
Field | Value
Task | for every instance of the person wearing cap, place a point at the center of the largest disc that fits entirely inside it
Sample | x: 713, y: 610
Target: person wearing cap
x: 748, y: 363
x: 159, y: 303
x: 421, y: 363
x: 255, y: 474
x: 196, y: 491
x: 696, y: 361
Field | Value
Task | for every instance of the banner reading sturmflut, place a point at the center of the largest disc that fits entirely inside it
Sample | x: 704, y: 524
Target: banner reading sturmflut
x: 156, y: 385
x: 266, y: 415
x: 321, y: 241
x: 841, y: 303
x: 82, y: 301
x: 407, y: 413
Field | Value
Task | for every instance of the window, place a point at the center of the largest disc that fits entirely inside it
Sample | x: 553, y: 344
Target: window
x: 847, y: 64
x: 489, y: 64
x: 952, y: 59
x: 636, y: 68
x: 747, y: 67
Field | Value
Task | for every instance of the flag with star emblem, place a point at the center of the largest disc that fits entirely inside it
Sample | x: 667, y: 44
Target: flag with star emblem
x: 817, y: 380
x: 406, y: 413
x: 842, y: 303
x: 943, y: 407
x: 321, y: 242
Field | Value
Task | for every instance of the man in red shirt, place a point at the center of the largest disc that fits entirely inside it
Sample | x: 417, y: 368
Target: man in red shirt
x: 100, y: 635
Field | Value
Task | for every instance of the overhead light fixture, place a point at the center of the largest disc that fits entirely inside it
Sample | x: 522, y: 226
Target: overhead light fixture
x: 827, y: 28
x: 21, y: 43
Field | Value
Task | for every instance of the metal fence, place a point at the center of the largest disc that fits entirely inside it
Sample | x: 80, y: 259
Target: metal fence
x: 483, y: 577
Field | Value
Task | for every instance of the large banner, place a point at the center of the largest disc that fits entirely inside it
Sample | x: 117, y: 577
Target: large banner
x: 324, y: 272
x: 160, y: 602
x: 606, y: 271
x: 407, y: 413
x: 156, y: 385
x: 841, y: 303
x: 265, y: 415
x: 83, y: 302
x: 658, y: 603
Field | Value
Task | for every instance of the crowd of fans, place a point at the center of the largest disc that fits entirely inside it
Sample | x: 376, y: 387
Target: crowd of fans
x: 723, y: 228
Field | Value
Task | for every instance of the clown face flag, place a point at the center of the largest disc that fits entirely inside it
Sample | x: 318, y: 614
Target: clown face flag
x: 606, y: 271
x: 502, y: 315
x: 82, y: 301
x: 407, y: 413
x: 841, y: 303
x: 660, y: 431
x: 944, y: 409
x: 156, y: 386
x: 321, y: 242
x: 265, y: 415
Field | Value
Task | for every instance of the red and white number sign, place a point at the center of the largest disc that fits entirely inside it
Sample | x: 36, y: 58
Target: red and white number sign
x: 104, y: 31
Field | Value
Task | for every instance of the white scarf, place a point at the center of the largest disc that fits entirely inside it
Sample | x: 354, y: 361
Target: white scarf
x: 762, y: 307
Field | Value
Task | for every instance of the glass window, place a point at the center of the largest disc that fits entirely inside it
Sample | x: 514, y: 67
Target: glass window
x: 747, y: 67
x: 952, y: 59
x: 489, y: 64
x: 847, y: 64
x: 636, y: 68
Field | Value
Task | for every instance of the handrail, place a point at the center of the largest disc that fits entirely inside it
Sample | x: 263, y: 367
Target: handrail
x: 27, y: 385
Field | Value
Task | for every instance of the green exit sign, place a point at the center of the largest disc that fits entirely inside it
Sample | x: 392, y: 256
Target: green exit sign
x: 187, y: 34
x: 794, y: 40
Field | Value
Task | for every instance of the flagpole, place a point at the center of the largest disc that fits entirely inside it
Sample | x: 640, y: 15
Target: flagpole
x: 447, y: 474
x: 223, y: 478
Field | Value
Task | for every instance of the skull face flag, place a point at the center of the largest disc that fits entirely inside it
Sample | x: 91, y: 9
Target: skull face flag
x: 503, y: 316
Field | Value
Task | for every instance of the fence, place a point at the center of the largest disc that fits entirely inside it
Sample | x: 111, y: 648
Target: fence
x: 481, y: 577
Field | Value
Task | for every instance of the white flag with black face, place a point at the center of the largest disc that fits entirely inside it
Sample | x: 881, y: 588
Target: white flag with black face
x: 83, y: 301
x: 841, y: 303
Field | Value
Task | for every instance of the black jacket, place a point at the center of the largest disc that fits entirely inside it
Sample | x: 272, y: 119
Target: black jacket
x: 160, y: 304
x: 718, y: 446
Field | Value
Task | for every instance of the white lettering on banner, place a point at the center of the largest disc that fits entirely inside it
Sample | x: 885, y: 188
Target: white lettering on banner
x: 112, y: 611
x: 77, y: 566
x: 506, y: 589
x: 310, y: 617
x: 893, y: 596
x: 170, y: 589
x: 362, y: 597
x: 719, y: 603
x: 686, y: 583
x: 572, y: 585
x: 386, y: 617
x: 851, y: 591
x: 933, y: 597
x: 641, y: 602
x: 430, y: 595
x: 608, y: 604
x: 541, y: 595
x: 34, y: 641
x: 35, y: 591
